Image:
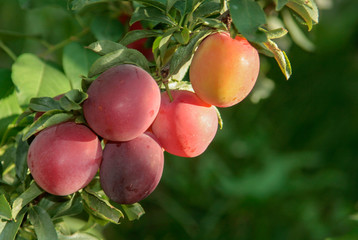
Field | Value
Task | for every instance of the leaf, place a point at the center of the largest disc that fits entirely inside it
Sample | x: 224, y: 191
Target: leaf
x: 78, y: 5
x: 86, y: 83
x: 72, y: 100
x: 106, y: 28
x: 184, y: 53
x: 100, y: 208
x: 183, y: 36
x: 69, y: 208
x: 170, y: 4
x: 164, y: 42
x: 133, y: 211
x: 42, y: 223
x: 104, y: 47
x: 121, y: 56
x: 154, y: 3
x: 21, y: 158
x: 5, y: 209
x: 44, y: 104
x: 76, y: 236
x: 9, y: 106
x: 7, y: 156
x: 180, y: 85
x: 30, y: 194
x: 12, y: 227
x: 34, y: 78
x: 248, y: 16
x: 280, y: 57
x: 151, y: 14
x: 213, y: 23
x: 76, y: 61
x: 207, y: 9
x: 276, y: 33
x: 220, y: 119
x: 296, y: 33
x: 280, y: 4
x: 48, y: 119
x: 135, y: 35
x: 307, y: 10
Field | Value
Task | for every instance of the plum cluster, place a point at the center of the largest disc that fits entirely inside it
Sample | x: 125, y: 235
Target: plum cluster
x: 138, y: 123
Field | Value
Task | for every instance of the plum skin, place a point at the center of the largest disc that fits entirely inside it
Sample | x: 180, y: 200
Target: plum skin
x: 64, y: 158
x: 122, y: 103
x: 186, y: 126
x: 131, y: 170
x: 224, y: 70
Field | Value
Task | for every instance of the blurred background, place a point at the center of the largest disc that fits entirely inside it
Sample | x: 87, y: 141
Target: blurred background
x: 285, y: 164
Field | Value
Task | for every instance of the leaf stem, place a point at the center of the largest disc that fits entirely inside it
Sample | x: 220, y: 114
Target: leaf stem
x: 8, y: 51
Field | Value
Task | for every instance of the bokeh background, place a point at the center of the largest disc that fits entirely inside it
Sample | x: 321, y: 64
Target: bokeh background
x: 285, y: 164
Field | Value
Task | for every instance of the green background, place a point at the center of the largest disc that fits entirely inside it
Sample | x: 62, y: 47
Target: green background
x: 283, y: 168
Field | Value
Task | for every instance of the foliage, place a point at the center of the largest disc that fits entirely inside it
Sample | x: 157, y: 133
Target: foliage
x: 88, y: 40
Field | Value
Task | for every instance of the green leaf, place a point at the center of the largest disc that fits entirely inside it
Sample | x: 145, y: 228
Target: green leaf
x: 72, y: 100
x: 135, y: 35
x: 86, y: 83
x: 183, y: 36
x: 100, y: 208
x: 133, y: 211
x: 180, y: 6
x: 34, y: 78
x: 78, y: 5
x: 184, y: 53
x: 106, y: 28
x: 12, y: 227
x: 76, y: 236
x: 21, y: 158
x: 276, y: 33
x: 154, y: 3
x: 48, y: 119
x: 170, y: 4
x: 281, y: 58
x: 121, y: 56
x: 7, y: 156
x: 30, y: 194
x: 207, y: 9
x: 44, y: 104
x: 296, y: 33
x: 9, y: 106
x: 151, y: 14
x: 42, y: 223
x: 220, y: 119
x: 280, y: 4
x: 164, y: 42
x: 213, y: 23
x: 76, y: 61
x: 69, y: 208
x: 248, y: 16
x: 306, y: 9
x: 5, y: 209
x: 179, y: 85
x: 104, y: 47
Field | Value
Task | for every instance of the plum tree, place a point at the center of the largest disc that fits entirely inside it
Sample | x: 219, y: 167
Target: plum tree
x: 64, y: 158
x: 131, y: 170
x: 186, y: 126
x: 123, y: 102
x: 224, y: 70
